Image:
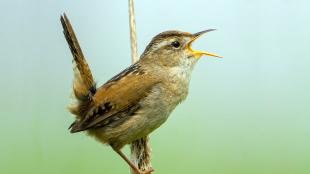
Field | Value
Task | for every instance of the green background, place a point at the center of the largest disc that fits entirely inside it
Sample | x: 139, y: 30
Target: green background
x: 245, y: 114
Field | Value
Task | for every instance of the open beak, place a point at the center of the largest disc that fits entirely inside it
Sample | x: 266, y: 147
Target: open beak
x: 198, y: 53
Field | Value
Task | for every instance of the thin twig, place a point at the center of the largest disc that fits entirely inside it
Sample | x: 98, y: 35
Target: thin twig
x: 133, y: 36
x: 140, y: 149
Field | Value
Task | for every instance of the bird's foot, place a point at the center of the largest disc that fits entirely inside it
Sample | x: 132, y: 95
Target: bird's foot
x: 132, y: 165
x: 149, y: 171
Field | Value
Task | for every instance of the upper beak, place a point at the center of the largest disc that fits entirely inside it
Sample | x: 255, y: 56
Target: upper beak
x: 198, y: 53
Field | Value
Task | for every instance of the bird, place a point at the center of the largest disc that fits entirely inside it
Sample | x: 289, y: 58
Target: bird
x: 139, y: 99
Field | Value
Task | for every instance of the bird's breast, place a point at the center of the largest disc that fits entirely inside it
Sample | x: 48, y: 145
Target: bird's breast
x: 177, y: 82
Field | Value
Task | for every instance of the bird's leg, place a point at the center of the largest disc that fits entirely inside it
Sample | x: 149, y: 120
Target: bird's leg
x: 132, y: 165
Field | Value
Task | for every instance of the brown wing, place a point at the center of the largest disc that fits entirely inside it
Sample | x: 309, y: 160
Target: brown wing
x: 118, y: 98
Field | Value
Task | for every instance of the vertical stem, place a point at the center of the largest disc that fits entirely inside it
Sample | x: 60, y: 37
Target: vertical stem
x: 140, y: 149
x: 141, y: 153
x: 133, y: 36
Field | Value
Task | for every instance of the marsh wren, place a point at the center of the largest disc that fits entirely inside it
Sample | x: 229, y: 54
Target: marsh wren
x: 138, y: 100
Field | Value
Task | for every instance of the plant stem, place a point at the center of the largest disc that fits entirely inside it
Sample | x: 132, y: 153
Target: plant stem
x: 140, y: 149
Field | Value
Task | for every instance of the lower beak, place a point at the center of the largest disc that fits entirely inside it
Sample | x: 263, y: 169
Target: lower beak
x: 198, y: 53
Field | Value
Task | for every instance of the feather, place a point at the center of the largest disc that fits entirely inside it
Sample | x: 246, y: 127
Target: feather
x: 117, y: 99
x: 83, y: 83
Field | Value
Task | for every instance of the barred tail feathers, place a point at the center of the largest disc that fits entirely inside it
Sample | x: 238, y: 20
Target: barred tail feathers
x: 83, y: 82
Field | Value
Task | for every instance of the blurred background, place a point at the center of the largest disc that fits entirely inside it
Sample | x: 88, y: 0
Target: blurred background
x: 248, y: 113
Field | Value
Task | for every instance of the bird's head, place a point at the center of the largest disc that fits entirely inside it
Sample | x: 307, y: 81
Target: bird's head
x: 173, y: 48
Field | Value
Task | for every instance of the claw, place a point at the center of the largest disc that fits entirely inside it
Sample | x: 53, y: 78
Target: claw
x: 149, y: 171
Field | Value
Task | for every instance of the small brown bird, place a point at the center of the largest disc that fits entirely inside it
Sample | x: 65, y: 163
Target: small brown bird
x: 139, y: 99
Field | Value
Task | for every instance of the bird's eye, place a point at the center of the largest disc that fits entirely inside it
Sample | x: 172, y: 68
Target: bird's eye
x: 175, y: 44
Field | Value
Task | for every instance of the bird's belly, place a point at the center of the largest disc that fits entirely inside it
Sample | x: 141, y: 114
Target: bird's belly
x: 153, y: 112
x: 134, y: 127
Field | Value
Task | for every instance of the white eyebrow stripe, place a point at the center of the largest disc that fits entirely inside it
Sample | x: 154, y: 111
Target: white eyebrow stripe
x: 163, y: 43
